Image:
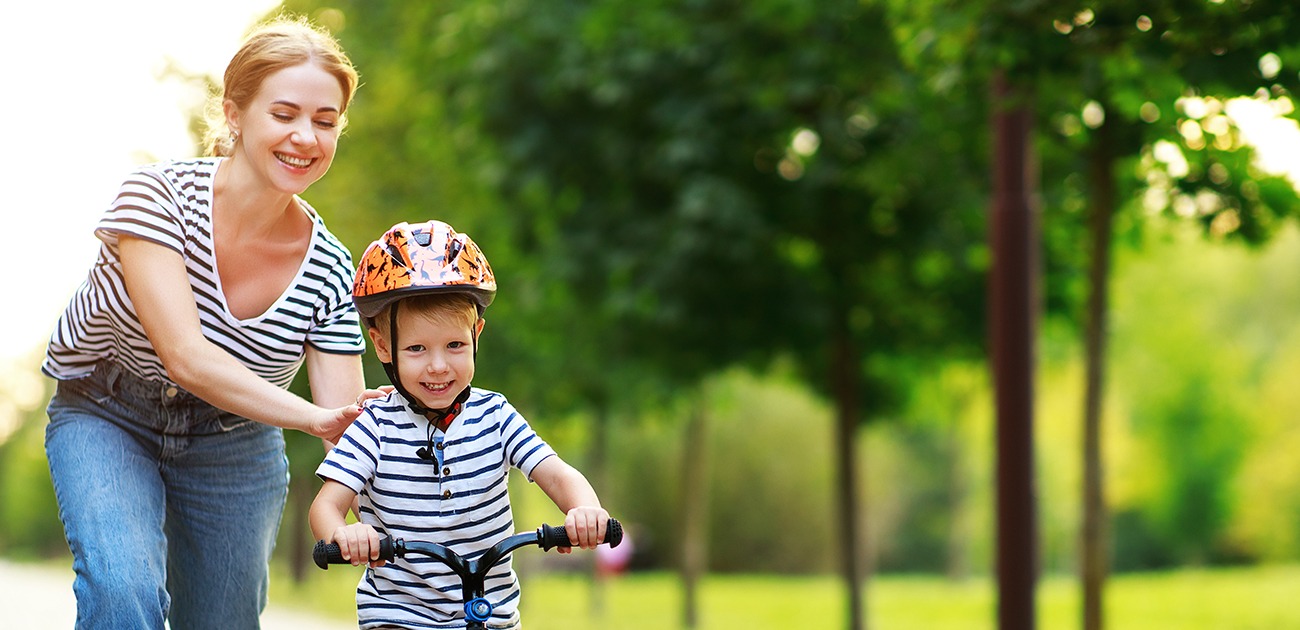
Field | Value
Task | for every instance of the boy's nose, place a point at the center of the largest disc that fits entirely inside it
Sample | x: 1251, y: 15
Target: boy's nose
x: 437, y: 364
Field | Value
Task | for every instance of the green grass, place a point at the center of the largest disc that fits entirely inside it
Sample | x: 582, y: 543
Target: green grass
x: 1231, y: 599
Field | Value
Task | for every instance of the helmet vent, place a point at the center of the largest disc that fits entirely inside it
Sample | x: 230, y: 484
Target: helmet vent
x: 395, y: 254
x: 422, y: 238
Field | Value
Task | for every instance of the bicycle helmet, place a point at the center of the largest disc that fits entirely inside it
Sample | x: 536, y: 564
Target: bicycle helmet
x: 429, y: 257
x: 421, y: 259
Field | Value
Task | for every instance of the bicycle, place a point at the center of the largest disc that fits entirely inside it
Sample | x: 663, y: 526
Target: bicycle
x: 472, y: 572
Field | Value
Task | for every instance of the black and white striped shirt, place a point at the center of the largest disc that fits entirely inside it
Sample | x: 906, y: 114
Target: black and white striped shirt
x: 464, y: 505
x: 170, y: 203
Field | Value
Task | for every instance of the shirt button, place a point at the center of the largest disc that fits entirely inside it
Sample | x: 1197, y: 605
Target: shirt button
x: 446, y: 494
x: 446, y: 471
x: 441, y: 446
x: 171, y: 392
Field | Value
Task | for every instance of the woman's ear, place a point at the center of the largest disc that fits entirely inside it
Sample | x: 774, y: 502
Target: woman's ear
x: 232, y: 116
x: 381, y: 345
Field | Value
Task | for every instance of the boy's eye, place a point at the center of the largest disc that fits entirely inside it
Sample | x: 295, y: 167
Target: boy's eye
x: 415, y: 348
x: 456, y: 344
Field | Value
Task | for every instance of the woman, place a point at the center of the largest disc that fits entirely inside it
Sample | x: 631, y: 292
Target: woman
x: 214, y: 284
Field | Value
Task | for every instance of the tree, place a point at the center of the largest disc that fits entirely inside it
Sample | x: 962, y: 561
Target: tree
x: 814, y: 203
x: 1111, y: 76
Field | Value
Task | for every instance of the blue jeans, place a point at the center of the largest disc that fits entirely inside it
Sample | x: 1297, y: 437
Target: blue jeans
x: 170, y: 505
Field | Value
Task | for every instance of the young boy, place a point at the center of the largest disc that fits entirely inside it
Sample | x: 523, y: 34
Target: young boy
x: 430, y: 460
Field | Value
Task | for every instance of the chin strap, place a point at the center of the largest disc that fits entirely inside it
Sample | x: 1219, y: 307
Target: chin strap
x: 438, y: 418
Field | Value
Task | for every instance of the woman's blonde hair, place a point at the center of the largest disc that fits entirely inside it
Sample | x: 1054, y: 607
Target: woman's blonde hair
x: 282, y: 42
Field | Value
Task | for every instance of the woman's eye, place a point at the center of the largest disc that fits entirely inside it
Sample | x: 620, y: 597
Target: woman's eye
x: 326, y: 124
x: 282, y: 117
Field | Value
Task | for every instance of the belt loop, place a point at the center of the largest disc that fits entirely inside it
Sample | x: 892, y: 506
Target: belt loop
x: 112, y: 373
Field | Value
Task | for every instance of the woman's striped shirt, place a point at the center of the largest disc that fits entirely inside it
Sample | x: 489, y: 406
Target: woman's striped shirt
x: 463, y: 505
x: 170, y: 203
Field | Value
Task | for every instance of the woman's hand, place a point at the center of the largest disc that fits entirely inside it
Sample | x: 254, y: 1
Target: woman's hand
x: 330, y: 424
x: 379, y: 392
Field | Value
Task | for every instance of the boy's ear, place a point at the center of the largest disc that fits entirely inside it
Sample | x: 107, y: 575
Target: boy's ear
x: 478, y: 328
x: 381, y: 345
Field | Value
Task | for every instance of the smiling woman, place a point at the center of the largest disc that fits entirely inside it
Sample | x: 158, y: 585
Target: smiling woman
x: 214, y: 283
x: 88, y: 100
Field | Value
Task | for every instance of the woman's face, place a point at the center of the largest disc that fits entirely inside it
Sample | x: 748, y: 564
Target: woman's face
x: 289, y: 132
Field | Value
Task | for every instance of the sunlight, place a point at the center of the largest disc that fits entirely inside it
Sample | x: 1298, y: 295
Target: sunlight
x: 91, y: 108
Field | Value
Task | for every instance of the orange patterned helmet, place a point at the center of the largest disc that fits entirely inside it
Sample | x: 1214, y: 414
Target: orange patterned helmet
x: 429, y: 257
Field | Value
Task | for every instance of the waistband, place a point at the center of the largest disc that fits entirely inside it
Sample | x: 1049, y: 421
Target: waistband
x: 116, y: 378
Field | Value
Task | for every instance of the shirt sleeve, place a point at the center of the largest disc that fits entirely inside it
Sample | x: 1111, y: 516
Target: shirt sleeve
x: 146, y: 207
x: 523, y: 447
x: 336, y: 325
x: 354, y: 460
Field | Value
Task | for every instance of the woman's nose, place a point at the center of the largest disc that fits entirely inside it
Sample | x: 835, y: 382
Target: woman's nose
x: 304, y: 135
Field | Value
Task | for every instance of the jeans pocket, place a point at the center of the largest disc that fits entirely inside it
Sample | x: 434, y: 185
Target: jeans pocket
x: 230, y: 422
x: 86, y: 387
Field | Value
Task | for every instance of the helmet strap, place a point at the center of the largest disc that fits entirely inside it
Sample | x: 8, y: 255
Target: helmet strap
x: 438, y: 418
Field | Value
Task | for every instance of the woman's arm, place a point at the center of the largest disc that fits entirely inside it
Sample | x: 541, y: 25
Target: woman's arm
x: 335, y: 381
x: 584, y: 520
x: 159, y: 287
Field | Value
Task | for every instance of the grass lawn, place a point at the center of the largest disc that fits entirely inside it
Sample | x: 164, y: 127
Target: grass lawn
x: 1219, y: 599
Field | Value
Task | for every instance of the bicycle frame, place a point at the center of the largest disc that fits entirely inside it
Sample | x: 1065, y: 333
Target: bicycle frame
x: 472, y: 572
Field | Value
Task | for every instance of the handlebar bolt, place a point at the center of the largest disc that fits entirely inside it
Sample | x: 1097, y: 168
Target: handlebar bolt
x: 478, y: 609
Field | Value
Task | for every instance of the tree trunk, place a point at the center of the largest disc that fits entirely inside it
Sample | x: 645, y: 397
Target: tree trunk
x: 844, y: 375
x: 958, y: 560
x: 1013, y: 303
x: 301, y: 493
x: 695, y: 504
x: 1101, y: 212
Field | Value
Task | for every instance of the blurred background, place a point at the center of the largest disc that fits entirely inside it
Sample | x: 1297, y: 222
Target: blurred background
x: 743, y: 252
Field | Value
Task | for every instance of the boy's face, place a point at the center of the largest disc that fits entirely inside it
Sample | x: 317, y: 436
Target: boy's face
x: 435, y: 358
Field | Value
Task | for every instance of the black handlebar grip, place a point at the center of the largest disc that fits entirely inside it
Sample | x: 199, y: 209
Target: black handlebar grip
x: 325, y: 554
x: 552, y: 537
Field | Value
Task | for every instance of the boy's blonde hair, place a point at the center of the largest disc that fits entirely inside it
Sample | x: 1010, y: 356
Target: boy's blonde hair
x: 453, y: 309
x: 283, y: 42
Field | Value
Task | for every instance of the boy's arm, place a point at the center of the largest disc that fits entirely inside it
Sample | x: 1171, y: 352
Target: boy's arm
x: 329, y: 523
x: 584, y: 519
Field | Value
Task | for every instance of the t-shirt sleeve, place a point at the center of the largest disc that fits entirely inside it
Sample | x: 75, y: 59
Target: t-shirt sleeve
x: 523, y: 447
x: 354, y: 460
x: 146, y: 207
x: 336, y: 326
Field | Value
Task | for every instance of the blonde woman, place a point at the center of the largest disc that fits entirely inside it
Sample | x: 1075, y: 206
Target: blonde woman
x: 215, y: 282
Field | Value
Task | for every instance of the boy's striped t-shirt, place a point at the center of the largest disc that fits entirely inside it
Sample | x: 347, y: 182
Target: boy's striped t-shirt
x: 170, y: 203
x: 462, y: 504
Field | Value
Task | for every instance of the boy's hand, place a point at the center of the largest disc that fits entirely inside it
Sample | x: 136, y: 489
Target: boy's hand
x: 358, y: 543
x: 585, y: 527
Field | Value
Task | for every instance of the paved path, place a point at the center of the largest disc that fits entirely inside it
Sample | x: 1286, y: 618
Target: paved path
x: 39, y: 597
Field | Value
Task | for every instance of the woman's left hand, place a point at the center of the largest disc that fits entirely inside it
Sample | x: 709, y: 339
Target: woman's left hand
x: 379, y: 392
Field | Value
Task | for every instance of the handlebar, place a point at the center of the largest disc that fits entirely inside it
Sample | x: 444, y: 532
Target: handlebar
x: 546, y: 537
